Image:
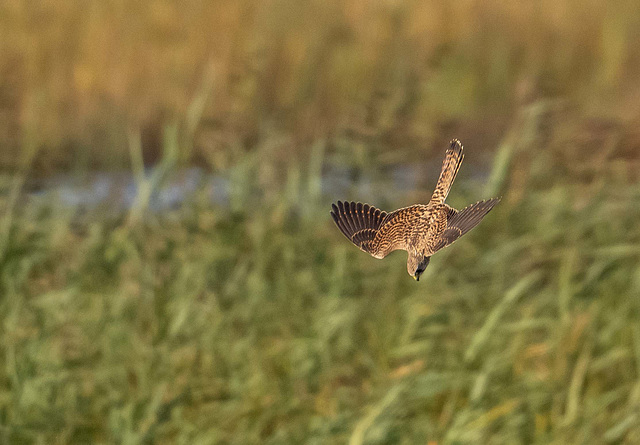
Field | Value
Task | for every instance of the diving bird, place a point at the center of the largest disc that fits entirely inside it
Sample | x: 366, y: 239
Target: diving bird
x: 419, y: 229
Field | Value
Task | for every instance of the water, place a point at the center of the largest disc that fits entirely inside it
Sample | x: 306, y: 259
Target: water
x: 119, y: 190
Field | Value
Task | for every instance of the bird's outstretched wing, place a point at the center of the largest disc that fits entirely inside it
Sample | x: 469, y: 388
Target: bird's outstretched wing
x: 373, y: 230
x: 460, y: 222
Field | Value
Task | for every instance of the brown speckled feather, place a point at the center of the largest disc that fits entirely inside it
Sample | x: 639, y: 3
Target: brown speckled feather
x: 450, y: 166
x: 420, y: 229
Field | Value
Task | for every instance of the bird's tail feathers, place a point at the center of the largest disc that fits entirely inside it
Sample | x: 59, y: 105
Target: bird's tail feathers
x: 450, y: 166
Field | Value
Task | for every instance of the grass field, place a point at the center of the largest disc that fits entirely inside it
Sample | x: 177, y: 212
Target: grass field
x: 252, y: 320
x: 256, y: 322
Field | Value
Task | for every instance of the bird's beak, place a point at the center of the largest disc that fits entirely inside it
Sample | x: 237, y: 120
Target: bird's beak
x: 416, y: 277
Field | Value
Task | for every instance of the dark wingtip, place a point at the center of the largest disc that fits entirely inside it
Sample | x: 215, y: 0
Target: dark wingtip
x: 455, y: 145
x: 491, y: 203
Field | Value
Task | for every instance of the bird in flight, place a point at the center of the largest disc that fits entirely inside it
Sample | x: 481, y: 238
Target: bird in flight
x: 419, y: 229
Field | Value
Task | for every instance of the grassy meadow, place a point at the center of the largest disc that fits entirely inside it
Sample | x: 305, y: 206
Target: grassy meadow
x: 252, y: 320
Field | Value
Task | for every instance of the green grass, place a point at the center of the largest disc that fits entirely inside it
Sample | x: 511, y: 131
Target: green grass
x: 259, y: 323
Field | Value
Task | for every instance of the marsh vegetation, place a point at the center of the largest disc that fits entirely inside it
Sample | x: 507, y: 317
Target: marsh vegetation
x: 250, y: 320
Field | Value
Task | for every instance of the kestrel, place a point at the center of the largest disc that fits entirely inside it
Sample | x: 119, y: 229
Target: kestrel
x: 419, y: 229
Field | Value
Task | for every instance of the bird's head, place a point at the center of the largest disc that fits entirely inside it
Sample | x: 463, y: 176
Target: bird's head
x: 416, y: 264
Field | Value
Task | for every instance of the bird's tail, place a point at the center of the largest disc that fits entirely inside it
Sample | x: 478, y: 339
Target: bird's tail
x: 452, y: 161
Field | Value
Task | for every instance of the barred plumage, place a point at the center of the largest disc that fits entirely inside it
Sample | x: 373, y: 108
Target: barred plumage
x: 420, y: 229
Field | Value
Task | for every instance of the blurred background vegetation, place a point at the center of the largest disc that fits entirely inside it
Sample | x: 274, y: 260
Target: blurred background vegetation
x: 169, y: 272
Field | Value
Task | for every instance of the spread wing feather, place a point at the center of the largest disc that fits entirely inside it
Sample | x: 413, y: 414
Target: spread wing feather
x: 373, y: 230
x: 358, y: 222
x: 461, y: 221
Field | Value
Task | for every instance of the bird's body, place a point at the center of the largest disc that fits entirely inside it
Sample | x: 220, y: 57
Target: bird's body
x: 421, y: 229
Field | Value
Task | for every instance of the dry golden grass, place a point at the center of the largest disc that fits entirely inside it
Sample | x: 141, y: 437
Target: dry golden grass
x: 76, y: 76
